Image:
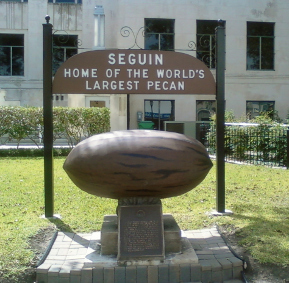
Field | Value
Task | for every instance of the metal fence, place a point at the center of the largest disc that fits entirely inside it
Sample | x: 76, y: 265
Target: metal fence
x: 253, y: 143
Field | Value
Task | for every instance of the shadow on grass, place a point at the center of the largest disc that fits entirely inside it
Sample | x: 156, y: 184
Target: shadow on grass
x: 264, y: 235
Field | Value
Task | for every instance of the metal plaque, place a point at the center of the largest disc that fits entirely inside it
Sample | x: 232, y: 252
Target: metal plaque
x: 140, y: 232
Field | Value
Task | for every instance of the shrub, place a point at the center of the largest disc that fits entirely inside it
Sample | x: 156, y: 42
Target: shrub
x: 73, y: 124
x: 265, y: 141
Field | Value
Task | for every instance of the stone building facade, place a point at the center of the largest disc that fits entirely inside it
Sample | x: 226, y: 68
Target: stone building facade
x: 256, y: 52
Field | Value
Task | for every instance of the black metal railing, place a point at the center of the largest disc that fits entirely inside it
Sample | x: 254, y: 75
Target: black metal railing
x: 253, y: 144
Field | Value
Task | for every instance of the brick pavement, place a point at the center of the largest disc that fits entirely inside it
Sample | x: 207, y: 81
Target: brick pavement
x: 76, y: 258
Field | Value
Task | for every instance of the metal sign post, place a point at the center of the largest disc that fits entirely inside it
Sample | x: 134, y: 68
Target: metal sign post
x: 220, y: 117
x: 48, y: 119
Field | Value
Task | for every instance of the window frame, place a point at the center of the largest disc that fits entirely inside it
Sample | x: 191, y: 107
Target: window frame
x: 11, y: 47
x: 203, y: 43
x: 62, y: 46
x: 260, y: 103
x: 207, y: 105
x: 21, y: 1
x: 65, y: 1
x: 260, y: 39
x: 159, y: 122
x: 160, y: 34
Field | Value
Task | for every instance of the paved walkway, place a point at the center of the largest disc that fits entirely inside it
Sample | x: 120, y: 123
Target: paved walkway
x: 75, y: 258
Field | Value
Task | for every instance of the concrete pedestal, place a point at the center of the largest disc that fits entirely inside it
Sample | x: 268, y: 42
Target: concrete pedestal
x: 109, y: 235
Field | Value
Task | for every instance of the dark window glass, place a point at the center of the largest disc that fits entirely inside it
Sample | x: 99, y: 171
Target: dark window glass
x: 267, y: 53
x: 257, y: 108
x: 206, y: 42
x: 64, y: 47
x: 14, y: 0
x: 206, y: 26
x: 159, y: 34
x: 17, y: 61
x: 260, y: 46
x: 159, y: 111
x: 66, y: 1
x: 12, y: 54
x: 253, y: 53
x: 260, y: 29
x: 11, y: 39
x: 205, y: 109
x: 5, y: 58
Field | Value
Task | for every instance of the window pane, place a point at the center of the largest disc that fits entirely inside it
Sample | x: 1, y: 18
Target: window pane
x: 206, y: 42
x: 12, y: 39
x: 159, y: 111
x: 15, y: 1
x: 206, y: 26
x: 253, y: 53
x: 64, y: 46
x: 70, y: 52
x: 206, y: 49
x: 267, y: 51
x: 260, y: 46
x: 256, y: 108
x: 152, y: 41
x: 260, y: 28
x: 62, y: 1
x: 208, y: 59
x: 17, y: 61
x: 57, y: 58
x: 159, y: 25
x: 65, y: 40
x: 167, y: 42
x: 66, y: 1
x: 5, y: 68
x: 12, y: 54
x: 205, y: 109
x: 159, y: 34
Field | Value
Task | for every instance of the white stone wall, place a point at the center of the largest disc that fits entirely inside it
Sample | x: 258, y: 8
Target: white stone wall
x: 241, y: 85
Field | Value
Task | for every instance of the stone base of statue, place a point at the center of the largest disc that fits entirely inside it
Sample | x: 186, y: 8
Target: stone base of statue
x: 203, y: 257
x: 174, y: 249
x: 141, y: 233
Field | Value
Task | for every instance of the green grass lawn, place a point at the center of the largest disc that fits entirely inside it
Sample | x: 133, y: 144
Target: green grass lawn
x: 257, y: 195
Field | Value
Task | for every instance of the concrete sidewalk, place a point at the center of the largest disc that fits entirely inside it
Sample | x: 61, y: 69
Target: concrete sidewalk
x: 76, y: 258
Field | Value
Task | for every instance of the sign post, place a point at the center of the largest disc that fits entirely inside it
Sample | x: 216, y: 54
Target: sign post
x: 48, y: 119
x: 220, y: 117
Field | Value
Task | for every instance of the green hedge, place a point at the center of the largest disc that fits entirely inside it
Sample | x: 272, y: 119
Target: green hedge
x: 74, y: 124
x: 32, y: 152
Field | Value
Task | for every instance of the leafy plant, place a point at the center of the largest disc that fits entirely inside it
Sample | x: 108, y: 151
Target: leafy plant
x: 265, y: 141
x: 74, y: 124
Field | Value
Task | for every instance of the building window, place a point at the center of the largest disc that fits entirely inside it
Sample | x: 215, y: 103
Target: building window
x: 260, y: 46
x: 11, y: 54
x: 159, y: 34
x: 66, y: 1
x: 206, y: 42
x: 205, y: 109
x: 14, y: 0
x: 64, y: 46
x: 257, y: 108
x: 159, y: 111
